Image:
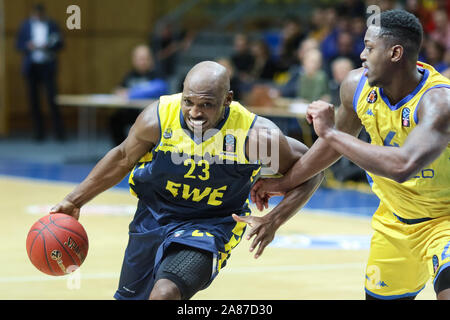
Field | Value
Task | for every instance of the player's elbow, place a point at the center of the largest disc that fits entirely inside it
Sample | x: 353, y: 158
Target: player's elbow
x: 404, y: 172
x: 121, y: 158
x: 318, y: 178
x: 400, y: 177
x: 315, y: 181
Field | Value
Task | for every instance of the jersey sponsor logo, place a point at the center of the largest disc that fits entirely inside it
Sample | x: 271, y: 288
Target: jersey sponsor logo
x: 405, y: 117
x: 193, y: 194
x: 372, y: 97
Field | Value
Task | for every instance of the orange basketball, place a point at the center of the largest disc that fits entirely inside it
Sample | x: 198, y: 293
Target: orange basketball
x: 57, y: 244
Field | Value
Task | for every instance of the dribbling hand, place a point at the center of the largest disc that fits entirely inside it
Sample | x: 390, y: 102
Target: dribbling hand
x: 66, y: 207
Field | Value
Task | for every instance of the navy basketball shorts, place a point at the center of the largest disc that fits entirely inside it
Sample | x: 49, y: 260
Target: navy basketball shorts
x: 149, y: 241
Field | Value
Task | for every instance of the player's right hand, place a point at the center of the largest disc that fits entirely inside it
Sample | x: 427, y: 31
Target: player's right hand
x: 263, y: 190
x: 66, y: 207
x: 262, y: 228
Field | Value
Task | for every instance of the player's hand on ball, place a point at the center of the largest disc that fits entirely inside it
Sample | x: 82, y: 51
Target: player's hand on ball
x: 66, y: 207
x: 263, y: 230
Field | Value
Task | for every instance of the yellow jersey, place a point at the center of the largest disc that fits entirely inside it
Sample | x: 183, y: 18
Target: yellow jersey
x: 427, y: 194
x: 185, y: 177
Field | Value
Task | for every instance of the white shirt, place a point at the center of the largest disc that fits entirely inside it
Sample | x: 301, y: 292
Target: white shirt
x: 39, y: 37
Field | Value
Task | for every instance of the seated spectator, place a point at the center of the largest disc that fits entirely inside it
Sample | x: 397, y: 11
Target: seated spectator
x: 242, y: 58
x: 264, y: 66
x: 345, y: 47
x: 351, y: 8
x: 141, y: 82
x: 358, y: 29
x: 291, y: 37
x: 309, y: 82
x: 434, y: 54
x: 339, y: 70
x: 167, y: 42
x: 313, y: 81
x: 441, y: 33
x: 323, y: 22
x: 236, y: 84
x: 289, y: 89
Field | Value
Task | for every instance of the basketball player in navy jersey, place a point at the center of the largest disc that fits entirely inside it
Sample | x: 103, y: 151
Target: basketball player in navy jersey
x: 192, y: 159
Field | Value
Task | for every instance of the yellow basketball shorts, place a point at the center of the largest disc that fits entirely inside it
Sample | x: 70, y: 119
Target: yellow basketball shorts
x: 405, y: 254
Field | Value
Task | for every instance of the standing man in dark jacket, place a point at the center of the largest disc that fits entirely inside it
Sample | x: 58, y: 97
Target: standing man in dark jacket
x: 39, y: 39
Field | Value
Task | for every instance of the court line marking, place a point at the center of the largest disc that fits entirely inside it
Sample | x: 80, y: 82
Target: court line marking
x: 249, y: 269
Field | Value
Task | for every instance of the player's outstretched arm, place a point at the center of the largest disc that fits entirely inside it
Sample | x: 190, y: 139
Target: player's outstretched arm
x: 116, y: 164
x: 263, y: 228
x: 281, y: 153
x: 320, y: 156
x: 423, y: 145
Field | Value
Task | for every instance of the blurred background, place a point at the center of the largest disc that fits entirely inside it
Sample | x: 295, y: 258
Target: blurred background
x: 261, y: 41
x: 274, y: 50
x: 74, y: 74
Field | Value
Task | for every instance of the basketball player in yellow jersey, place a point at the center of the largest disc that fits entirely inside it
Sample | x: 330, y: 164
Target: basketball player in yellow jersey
x: 183, y: 232
x: 405, y: 107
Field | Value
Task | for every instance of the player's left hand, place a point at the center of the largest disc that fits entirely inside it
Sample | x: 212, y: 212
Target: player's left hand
x: 321, y: 115
x: 262, y: 228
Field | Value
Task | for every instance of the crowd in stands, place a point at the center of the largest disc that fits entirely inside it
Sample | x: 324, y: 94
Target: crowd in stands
x: 309, y: 59
x: 306, y: 60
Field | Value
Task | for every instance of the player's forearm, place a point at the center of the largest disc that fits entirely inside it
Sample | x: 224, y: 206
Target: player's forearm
x: 318, y: 158
x: 294, y: 201
x: 389, y: 162
x: 108, y: 172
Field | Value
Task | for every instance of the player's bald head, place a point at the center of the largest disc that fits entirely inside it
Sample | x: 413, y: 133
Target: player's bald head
x: 208, y: 77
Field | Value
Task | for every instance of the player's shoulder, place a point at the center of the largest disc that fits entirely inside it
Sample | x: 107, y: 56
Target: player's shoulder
x: 147, y: 124
x: 352, y: 79
x: 434, y: 105
x: 350, y: 85
x: 262, y: 123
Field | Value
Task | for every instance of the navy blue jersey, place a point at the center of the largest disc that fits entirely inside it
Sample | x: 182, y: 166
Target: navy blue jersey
x: 186, y: 179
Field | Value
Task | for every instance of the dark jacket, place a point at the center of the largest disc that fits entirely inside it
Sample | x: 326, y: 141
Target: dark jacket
x: 24, y: 36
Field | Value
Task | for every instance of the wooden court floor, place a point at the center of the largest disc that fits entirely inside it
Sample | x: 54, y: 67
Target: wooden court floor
x: 280, y: 273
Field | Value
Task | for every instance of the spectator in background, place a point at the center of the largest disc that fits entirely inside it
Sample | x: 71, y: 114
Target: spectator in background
x: 264, y: 67
x: 167, y: 43
x: 434, y: 54
x: 386, y: 4
x: 358, y: 29
x: 351, y: 8
x: 339, y: 70
x: 39, y: 39
x: 236, y: 84
x: 424, y: 15
x: 441, y: 33
x: 343, y: 46
x: 344, y: 38
x: 346, y: 48
x: 291, y: 37
x: 289, y: 89
x: 241, y: 57
x: 322, y: 22
x: 313, y: 81
x: 142, y: 81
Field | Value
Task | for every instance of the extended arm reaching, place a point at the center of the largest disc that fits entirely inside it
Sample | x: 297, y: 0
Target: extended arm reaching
x: 115, y: 165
